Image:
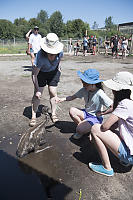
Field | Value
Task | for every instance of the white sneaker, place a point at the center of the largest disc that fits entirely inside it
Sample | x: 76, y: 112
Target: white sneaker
x: 77, y: 136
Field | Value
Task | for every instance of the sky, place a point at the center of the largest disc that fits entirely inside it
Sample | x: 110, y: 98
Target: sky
x: 89, y: 11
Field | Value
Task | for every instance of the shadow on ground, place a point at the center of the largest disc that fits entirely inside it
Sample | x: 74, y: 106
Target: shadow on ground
x: 23, y: 182
x: 88, y: 153
x: 27, y: 68
x: 27, y: 111
x: 66, y: 126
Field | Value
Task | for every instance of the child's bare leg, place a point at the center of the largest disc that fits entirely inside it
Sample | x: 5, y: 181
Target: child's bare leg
x: 76, y: 115
x: 103, y: 140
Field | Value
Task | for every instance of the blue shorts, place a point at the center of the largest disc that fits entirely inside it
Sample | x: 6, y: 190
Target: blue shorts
x: 124, y: 153
x: 31, y: 50
x: 92, y: 119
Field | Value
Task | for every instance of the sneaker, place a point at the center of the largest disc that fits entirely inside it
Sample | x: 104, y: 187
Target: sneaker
x: 101, y: 170
x: 77, y: 136
x: 125, y: 164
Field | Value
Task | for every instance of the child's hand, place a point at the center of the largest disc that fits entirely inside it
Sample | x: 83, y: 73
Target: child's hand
x: 99, y: 113
x: 60, y: 100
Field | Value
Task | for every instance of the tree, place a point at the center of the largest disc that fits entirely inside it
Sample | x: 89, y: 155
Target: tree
x: 77, y: 28
x: 20, y: 21
x: 95, y: 26
x: 7, y: 30
x: 21, y: 27
x: 42, y: 16
x: 34, y: 22
x: 56, y: 23
x: 109, y: 25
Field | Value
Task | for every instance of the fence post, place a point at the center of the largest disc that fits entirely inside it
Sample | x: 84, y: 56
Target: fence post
x: 14, y: 42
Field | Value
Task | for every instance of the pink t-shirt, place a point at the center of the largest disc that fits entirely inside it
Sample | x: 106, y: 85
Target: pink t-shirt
x: 124, y: 111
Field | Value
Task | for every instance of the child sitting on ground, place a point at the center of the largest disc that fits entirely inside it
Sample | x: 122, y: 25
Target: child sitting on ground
x: 94, y: 98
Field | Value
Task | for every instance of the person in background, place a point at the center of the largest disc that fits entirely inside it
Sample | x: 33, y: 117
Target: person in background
x: 114, y: 45
x: 70, y: 46
x: 124, y: 47
x: 94, y: 43
x: 94, y: 98
x: 107, y: 45
x: 76, y: 47
x: 121, y: 144
x: 46, y: 71
x: 27, y: 36
x: 85, y: 45
x: 34, y: 43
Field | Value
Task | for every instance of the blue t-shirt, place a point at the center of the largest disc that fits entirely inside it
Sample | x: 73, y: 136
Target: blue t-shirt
x: 42, y: 62
x: 85, y: 42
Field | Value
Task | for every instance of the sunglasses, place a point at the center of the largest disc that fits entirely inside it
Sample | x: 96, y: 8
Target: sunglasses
x: 36, y: 29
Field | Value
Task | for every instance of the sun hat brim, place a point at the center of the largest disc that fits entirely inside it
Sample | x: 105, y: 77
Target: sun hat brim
x: 87, y: 80
x: 55, y: 49
x: 113, y: 85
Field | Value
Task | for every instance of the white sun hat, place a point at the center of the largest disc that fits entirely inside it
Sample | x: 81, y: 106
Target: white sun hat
x: 122, y: 80
x: 51, y: 44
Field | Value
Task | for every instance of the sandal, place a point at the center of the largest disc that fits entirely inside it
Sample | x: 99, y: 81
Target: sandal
x: 32, y: 122
x: 54, y: 118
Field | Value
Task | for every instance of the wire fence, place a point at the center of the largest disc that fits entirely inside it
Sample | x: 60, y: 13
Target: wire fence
x: 20, y: 46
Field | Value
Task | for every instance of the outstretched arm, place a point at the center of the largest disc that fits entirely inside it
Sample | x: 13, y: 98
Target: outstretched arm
x: 68, y: 98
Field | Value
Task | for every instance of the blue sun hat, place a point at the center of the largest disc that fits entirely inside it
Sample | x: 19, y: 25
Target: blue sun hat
x: 90, y: 76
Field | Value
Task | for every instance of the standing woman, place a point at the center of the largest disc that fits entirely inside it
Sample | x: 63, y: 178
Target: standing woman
x: 124, y: 47
x: 46, y: 71
x: 94, y: 44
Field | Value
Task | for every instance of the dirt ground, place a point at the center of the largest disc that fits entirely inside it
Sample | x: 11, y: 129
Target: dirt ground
x: 61, y: 170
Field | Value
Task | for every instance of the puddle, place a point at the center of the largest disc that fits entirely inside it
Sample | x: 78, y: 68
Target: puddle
x: 22, y: 179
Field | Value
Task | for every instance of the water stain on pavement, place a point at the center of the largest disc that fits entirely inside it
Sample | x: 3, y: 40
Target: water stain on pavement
x: 30, y: 177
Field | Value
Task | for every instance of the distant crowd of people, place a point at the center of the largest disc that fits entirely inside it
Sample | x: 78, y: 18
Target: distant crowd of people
x: 117, y: 44
x: 89, y: 45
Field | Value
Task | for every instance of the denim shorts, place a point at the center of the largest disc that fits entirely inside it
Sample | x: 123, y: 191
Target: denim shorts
x: 91, y: 118
x: 124, y: 153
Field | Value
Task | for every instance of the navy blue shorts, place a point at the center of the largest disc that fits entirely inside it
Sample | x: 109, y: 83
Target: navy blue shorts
x: 48, y: 78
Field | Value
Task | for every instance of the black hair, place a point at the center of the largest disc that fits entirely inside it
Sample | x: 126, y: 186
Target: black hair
x: 120, y: 95
x: 99, y: 85
x: 43, y: 52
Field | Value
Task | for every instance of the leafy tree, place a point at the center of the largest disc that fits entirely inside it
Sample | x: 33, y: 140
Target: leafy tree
x: 34, y: 22
x: 56, y: 23
x: 76, y: 28
x: 95, y: 26
x: 42, y: 16
x: 21, y: 27
x: 20, y: 21
x: 6, y: 29
x: 79, y: 28
x: 109, y: 25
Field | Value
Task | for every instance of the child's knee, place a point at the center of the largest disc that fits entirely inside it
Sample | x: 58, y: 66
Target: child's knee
x: 95, y: 129
x: 72, y: 111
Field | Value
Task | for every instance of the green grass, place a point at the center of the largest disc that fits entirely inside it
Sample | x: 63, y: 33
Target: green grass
x: 13, y: 49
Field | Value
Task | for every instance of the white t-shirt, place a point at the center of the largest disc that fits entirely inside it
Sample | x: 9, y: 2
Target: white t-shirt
x: 94, y: 101
x: 35, y: 41
x: 124, y: 111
